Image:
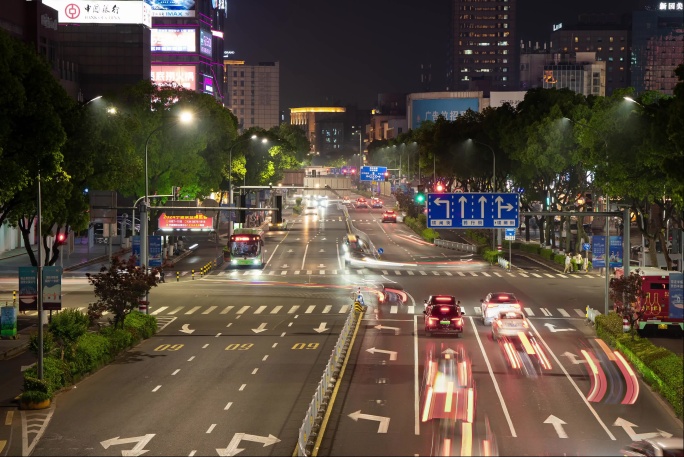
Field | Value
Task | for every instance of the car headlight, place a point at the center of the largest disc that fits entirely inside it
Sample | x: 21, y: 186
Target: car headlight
x: 255, y: 261
x: 234, y: 262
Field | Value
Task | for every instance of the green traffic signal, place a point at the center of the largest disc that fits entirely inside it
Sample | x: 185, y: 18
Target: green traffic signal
x: 420, y: 198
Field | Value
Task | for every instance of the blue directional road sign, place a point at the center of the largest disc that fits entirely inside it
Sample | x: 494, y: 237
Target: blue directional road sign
x: 373, y: 173
x: 466, y: 210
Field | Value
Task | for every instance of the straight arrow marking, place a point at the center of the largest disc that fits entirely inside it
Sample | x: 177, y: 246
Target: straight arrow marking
x: 383, y: 421
x: 392, y: 354
x: 557, y: 425
x: 321, y: 328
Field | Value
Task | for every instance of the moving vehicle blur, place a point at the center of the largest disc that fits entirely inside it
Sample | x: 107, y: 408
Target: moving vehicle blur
x: 376, y: 203
x: 510, y: 323
x: 389, y: 216
x: 666, y: 447
x: 361, y: 203
x: 392, y: 292
x: 496, y: 302
x: 445, y: 319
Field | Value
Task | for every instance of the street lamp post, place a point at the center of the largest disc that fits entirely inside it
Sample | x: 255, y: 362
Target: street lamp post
x: 184, y: 117
x: 493, y: 178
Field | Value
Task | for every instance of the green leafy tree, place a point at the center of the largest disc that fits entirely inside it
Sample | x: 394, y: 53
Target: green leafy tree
x: 628, y: 298
x: 119, y: 289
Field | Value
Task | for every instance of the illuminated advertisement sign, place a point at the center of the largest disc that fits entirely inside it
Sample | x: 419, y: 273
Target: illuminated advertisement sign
x: 449, y: 108
x: 671, y: 6
x: 101, y: 12
x: 208, y: 83
x: 199, y: 221
x: 173, y: 40
x: 172, y: 8
x: 205, y: 42
x: 183, y: 75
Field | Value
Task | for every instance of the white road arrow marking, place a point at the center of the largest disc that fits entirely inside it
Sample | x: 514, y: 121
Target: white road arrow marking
x: 552, y: 328
x: 573, y: 358
x: 557, y: 425
x: 233, y: 449
x: 137, y: 449
x: 384, y: 421
x: 285, y: 266
x: 381, y: 327
x: 320, y: 265
x: 321, y: 328
x: 628, y: 427
x: 290, y: 251
x: 482, y: 200
x: 262, y: 328
x: 462, y: 201
x: 393, y: 354
x: 26, y: 367
x: 322, y: 250
x: 499, y: 206
x: 439, y: 201
x: 186, y: 329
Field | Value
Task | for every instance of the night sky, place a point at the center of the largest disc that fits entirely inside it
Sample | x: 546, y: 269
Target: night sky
x: 346, y: 52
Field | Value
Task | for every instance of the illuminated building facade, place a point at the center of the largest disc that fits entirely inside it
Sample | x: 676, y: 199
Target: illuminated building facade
x: 324, y: 128
x: 253, y: 93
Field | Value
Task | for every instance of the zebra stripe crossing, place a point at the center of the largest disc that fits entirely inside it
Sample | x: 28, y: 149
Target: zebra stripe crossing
x: 408, y: 310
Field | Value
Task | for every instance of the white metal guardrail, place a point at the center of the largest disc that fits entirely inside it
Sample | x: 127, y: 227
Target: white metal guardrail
x: 592, y: 313
x: 457, y: 246
x: 319, y: 403
x: 503, y: 263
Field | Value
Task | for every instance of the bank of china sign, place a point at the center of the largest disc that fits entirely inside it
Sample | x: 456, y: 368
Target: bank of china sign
x: 101, y: 12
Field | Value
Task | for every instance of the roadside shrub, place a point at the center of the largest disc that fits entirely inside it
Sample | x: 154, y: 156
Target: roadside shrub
x: 528, y: 247
x: 491, y: 256
x: 546, y: 253
x: 49, y: 345
x: 55, y: 376
x: 91, y: 351
x: 297, y: 209
x: 477, y: 237
x: 559, y: 259
x: 429, y: 234
x: 36, y: 385
x: 298, y: 201
x: 119, y: 339
x: 141, y: 325
x: 66, y: 327
x: 35, y: 396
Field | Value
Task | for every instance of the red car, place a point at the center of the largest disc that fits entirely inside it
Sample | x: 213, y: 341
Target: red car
x: 389, y: 216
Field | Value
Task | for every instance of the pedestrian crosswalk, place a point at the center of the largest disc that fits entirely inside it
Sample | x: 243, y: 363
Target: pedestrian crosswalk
x: 166, y: 313
x: 365, y: 272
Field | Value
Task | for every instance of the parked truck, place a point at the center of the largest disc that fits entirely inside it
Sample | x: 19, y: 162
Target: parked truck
x: 663, y: 307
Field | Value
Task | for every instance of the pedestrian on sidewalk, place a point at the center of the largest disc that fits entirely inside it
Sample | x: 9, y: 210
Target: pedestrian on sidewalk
x: 568, y: 262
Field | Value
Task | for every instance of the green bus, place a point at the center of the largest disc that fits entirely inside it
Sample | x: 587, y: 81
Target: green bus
x: 245, y: 248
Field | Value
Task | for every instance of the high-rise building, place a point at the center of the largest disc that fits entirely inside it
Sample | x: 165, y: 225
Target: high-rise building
x: 324, y: 127
x: 253, y: 93
x: 483, y: 49
x: 580, y: 72
x: 607, y: 35
x: 657, y: 46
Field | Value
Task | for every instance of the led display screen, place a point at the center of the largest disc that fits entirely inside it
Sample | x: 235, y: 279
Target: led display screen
x: 174, y: 40
x: 449, y: 108
x: 205, y: 42
x: 172, y: 8
x: 183, y: 75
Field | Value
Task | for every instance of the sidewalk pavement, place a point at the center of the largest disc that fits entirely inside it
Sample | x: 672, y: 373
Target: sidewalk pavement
x: 81, y: 256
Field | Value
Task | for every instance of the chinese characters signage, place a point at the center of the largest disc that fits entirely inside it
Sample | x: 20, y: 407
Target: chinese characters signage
x: 52, y: 288
x: 198, y: 221
x: 183, y: 75
x: 671, y: 6
x: 205, y: 42
x: 173, y: 40
x: 28, y: 288
x: 449, y: 108
x: 676, y: 310
x: 101, y: 12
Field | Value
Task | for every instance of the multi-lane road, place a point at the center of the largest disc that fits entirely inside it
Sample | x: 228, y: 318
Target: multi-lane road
x: 239, y: 355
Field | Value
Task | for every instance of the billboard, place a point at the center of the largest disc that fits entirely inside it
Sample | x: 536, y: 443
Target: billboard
x: 450, y: 108
x: 172, y: 8
x: 208, y: 84
x: 197, y: 222
x: 183, y: 75
x: 101, y: 12
x: 173, y: 40
x: 205, y: 42
x: 512, y: 97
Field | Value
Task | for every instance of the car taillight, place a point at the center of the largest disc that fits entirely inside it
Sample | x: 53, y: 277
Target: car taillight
x: 499, y: 323
x: 516, y: 305
x: 490, y: 305
x: 457, y: 320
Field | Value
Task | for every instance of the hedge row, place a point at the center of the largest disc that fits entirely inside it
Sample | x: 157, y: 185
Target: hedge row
x: 545, y: 253
x: 661, y: 368
x: 65, y: 362
x: 418, y: 225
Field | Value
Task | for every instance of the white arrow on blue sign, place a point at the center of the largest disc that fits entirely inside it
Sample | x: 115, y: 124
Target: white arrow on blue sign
x: 466, y: 210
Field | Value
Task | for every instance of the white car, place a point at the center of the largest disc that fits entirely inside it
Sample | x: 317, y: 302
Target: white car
x: 510, y: 323
x: 497, y: 302
x: 667, y: 447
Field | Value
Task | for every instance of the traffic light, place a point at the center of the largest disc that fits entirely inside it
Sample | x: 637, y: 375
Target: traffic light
x: 419, y: 198
x: 60, y: 239
x: 588, y: 202
x: 439, y: 187
x: 386, y: 174
x: 278, y: 216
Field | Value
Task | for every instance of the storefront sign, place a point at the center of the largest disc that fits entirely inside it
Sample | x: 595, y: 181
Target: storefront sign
x: 173, y: 40
x: 183, y: 75
x: 101, y: 12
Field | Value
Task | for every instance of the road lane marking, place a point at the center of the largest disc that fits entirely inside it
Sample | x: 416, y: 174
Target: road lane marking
x: 9, y: 417
x: 472, y: 273
x: 158, y: 310
x: 254, y: 371
x: 175, y: 372
x: 293, y: 309
x: 563, y: 312
x: 410, y: 309
x: 422, y: 273
x: 529, y: 312
x: 486, y: 274
x: 572, y: 381
x: 192, y: 310
x: 191, y: 358
x: 228, y: 405
x: 297, y: 272
x: 327, y: 309
x: 580, y: 312
x: 210, y: 309
x: 264, y: 358
x: 385, y: 272
x: 397, y: 272
x: 260, y: 309
x: 344, y: 309
x: 393, y: 309
x: 545, y: 311
x: 304, y: 258
x: 411, y: 273
x: 176, y: 310
x: 460, y: 274
x: 448, y: 273
x: 205, y: 346
x: 274, y: 345
x: 217, y: 335
x: 562, y: 276
x: 321, y: 272
x: 243, y: 309
x: 242, y: 387
x: 310, y: 309
x: 491, y: 375
x: 549, y: 276
x: 276, y: 309
x: 229, y: 324
x: 523, y: 275
x: 211, y: 428
x: 156, y: 388
x: 283, y: 273
x: 535, y: 275
x: 309, y: 272
x: 436, y: 273
x: 226, y: 310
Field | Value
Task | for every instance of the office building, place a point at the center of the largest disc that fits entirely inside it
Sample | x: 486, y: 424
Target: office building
x: 483, y: 48
x: 253, y: 93
x: 579, y: 72
x: 324, y: 128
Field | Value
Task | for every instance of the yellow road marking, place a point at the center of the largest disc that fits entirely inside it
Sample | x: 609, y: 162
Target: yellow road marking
x: 9, y: 417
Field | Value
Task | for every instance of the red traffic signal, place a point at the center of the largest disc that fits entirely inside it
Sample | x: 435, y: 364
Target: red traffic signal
x: 60, y: 239
x: 386, y: 174
x: 439, y: 187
